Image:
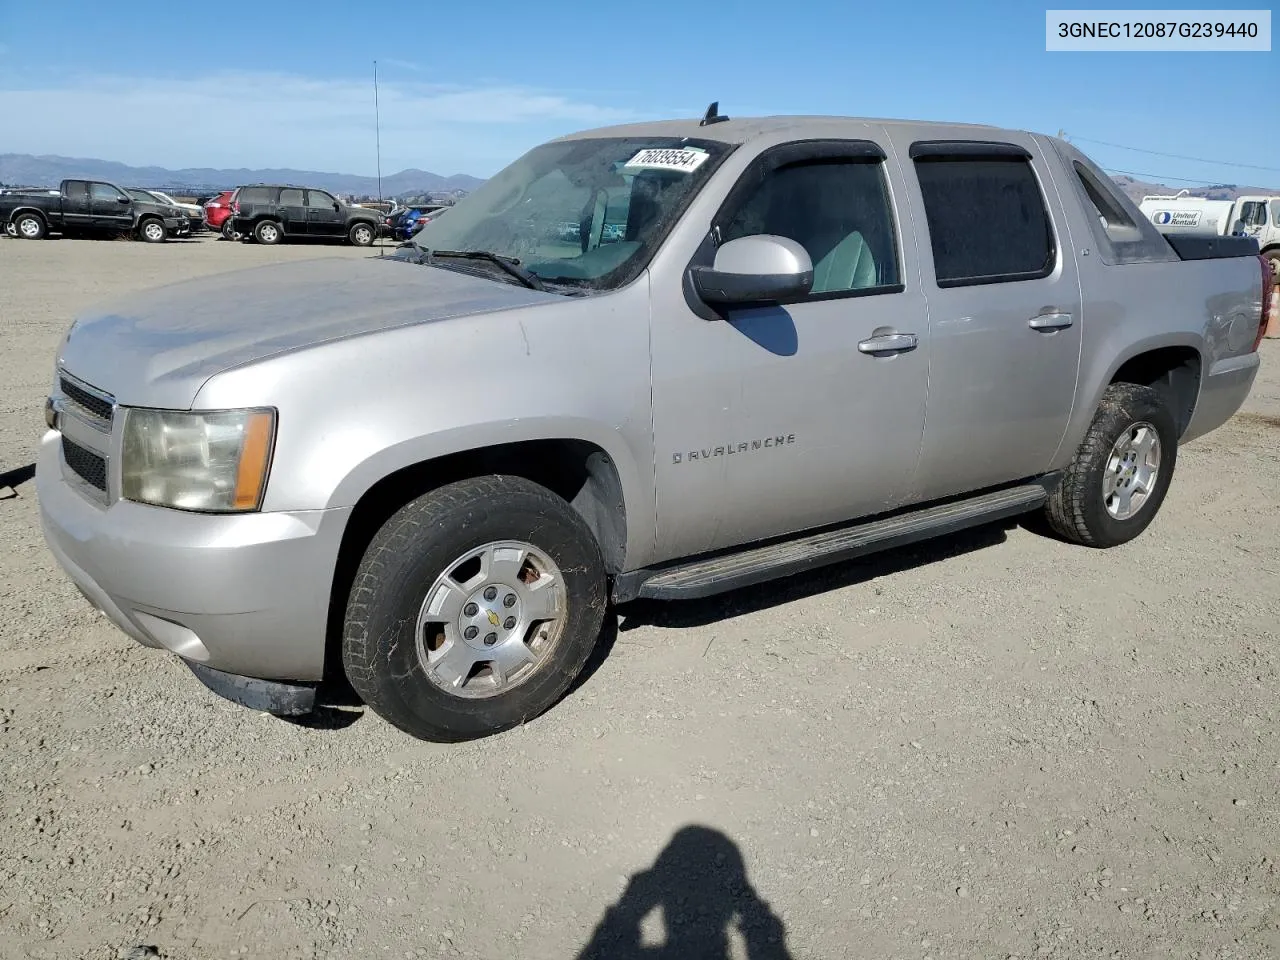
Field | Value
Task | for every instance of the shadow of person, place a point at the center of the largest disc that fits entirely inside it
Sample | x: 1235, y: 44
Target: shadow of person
x: 699, y: 883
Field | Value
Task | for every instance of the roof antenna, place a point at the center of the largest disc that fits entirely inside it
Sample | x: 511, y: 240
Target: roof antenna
x: 712, y: 115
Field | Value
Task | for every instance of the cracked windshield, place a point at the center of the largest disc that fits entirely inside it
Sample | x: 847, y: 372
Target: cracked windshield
x: 585, y: 213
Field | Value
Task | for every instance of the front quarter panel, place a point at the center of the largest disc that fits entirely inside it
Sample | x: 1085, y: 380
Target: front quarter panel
x: 354, y: 411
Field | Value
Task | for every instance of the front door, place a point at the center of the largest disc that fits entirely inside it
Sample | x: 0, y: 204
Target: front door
x: 325, y: 216
x: 1004, y: 307
x: 109, y: 208
x: 778, y: 419
x: 293, y: 212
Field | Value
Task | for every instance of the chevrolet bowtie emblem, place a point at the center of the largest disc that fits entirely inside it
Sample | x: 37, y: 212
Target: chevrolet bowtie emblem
x: 493, y: 618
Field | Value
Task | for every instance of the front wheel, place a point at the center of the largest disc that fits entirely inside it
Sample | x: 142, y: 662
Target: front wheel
x: 361, y: 235
x: 474, y: 608
x: 152, y: 231
x: 1113, y: 488
x: 268, y: 232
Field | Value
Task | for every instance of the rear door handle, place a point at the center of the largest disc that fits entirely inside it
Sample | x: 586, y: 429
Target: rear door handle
x: 1050, y: 321
x: 889, y: 343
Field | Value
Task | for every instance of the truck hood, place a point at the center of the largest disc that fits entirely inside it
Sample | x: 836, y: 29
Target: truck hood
x: 157, y: 348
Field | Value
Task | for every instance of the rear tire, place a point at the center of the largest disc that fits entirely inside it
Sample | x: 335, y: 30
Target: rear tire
x: 361, y: 234
x: 1273, y: 261
x: 30, y: 226
x: 1115, y: 484
x: 515, y: 583
x: 152, y: 231
x: 228, y: 230
x: 268, y: 232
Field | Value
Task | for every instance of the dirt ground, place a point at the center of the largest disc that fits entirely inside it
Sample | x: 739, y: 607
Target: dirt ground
x: 991, y: 746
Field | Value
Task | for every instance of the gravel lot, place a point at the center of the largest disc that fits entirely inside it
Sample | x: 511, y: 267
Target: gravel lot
x: 991, y: 746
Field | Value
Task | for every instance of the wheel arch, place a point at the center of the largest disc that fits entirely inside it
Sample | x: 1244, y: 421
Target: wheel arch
x: 20, y: 211
x: 580, y: 471
x: 1175, y: 370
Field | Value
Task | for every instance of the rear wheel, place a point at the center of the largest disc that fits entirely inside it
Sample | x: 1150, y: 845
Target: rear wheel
x: 268, y: 231
x: 473, y: 609
x: 30, y: 226
x: 361, y: 235
x: 1117, y: 481
x: 228, y: 230
x: 152, y: 231
x: 1273, y: 261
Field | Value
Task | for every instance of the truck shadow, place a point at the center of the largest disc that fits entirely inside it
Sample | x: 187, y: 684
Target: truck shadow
x: 698, y: 890
x: 17, y: 476
x: 677, y: 614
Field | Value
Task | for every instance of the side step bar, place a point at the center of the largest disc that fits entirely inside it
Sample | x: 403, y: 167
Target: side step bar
x: 706, y: 576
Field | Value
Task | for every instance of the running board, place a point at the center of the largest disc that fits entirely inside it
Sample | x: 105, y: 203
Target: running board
x: 704, y: 577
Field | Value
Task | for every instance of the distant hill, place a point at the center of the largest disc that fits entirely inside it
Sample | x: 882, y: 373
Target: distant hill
x: 23, y: 169
x: 1137, y: 189
x: 26, y: 170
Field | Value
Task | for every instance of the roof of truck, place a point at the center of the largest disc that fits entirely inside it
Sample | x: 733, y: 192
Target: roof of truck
x: 744, y: 129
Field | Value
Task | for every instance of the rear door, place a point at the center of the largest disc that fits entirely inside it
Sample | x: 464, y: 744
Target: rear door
x: 75, y: 204
x: 109, y: 207
x: 325, y: 216
x: 1004, y: 306
x: 293, y: 211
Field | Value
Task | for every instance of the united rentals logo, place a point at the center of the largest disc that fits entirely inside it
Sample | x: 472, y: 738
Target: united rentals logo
x: 733, y: 449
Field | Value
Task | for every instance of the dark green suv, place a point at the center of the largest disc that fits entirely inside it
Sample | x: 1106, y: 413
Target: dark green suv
x: 272, y: 213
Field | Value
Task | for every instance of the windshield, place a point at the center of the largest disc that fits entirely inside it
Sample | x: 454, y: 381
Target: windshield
x: 587, y: 213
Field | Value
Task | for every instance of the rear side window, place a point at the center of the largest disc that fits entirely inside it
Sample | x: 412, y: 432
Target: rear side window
x: 987, y: 220
x: 291, y: 198
x: 255, y: 195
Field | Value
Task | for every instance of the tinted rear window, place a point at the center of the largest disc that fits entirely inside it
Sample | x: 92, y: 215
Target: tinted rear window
x: 987, y: 220
x: 256, y: 194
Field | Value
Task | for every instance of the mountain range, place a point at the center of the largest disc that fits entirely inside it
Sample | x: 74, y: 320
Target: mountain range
x: 21, y: 169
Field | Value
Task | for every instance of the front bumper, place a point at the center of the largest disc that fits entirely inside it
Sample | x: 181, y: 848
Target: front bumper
x: 245, y: 594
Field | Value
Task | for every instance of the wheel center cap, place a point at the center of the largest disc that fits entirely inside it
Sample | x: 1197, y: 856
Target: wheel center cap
x: 489, y: 617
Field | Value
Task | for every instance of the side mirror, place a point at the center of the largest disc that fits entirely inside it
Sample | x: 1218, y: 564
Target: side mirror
x: 759, y: 269
x: 122, y: 199
x: 337, y: 207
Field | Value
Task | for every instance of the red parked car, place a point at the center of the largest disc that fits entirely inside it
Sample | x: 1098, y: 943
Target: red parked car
x: 217, y: 213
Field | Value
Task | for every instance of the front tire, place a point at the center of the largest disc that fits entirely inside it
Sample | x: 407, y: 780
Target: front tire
x: 361, y: 235
x: 29, y: 226
x: 474, y: 608
x: 153, y: 231
x: 268, y: 232
x: 1114, y: 486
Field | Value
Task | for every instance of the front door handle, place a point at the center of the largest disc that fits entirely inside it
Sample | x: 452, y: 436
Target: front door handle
x: 1050, y: 321
x: 889, y: 343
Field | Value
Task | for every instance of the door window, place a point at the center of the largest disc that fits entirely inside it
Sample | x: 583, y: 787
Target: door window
x: 987, y: 219
x: 291, y: 198
x: 1253, y: 213
x: 104, y: 191
x: 318, y: 200
x: 839, y: 211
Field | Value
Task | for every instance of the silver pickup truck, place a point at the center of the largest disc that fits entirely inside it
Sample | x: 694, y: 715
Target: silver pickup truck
x: 770, y: 344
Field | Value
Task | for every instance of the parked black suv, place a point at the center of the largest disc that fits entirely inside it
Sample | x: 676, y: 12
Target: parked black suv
x: 271, y: 213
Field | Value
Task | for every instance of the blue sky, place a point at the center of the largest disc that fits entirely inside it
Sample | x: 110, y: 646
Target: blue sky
x: 464, y: 88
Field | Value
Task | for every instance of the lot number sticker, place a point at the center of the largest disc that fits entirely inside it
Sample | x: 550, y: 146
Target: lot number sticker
x: 683, y: 159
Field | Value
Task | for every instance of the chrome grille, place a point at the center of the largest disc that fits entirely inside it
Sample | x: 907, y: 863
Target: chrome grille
x: 85, y: 464
x: 87, y: 402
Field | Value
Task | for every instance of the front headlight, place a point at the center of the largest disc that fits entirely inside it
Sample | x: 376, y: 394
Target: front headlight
x: 212, y: 462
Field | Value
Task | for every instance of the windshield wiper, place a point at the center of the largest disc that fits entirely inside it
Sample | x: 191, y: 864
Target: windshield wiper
x: 509, y: 265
